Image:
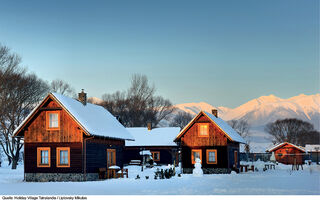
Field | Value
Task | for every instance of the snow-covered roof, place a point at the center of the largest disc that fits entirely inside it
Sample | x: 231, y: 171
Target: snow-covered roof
x: 234, y: 135
x: 284, y: 143
x: 94, y: 119
x: 224, y: 126
x: 154, y: 137
x: 312, y: 147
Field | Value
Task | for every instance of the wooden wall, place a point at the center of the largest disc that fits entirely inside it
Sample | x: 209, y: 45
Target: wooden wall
x: 167, y: 154
x: 30, y: 153
x: 96, y: 153
x: 289, y: 155
x: 222, y: 157
x: 216, y: 136
x: 36, y: 129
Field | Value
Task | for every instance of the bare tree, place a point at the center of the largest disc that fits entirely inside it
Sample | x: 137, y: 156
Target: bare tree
x: 19, y: 93
x: 243, y: 128
x: 62, y: 87
x: 138, y: 105
x: 181, y: 119
x: 291, y: 130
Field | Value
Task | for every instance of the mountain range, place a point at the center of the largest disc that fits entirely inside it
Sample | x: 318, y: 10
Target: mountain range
x: 263, y: 110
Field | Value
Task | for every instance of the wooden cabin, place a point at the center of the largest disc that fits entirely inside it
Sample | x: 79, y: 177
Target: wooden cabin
x: 288, y: 153
x: 70, y: 140
x: 159, y: 141
x: 213, y: 141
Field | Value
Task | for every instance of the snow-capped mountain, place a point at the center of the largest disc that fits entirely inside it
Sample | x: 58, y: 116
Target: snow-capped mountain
x: 263, y: 110
x: 95, y: 100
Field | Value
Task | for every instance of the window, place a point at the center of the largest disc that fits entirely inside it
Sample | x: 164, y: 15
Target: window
x: 212, y: 156
x: 156, y: 155
x: 43, y: 157
x: 53, y: 120
x: 196, y: 153
x: 111, y: 157
x: 63, y: 156
x: 203, y: 130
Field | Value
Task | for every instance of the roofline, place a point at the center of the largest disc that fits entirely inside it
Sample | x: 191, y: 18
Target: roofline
x: 209, y: 119
x: 283, y: 143
x: 70, y: 114
x: 34, y: 111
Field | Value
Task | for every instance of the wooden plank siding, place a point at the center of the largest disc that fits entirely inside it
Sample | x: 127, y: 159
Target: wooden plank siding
x: 30, y: 158
x: 288, y: 154
x: 216, y: 140
x: 37, y: 132
x: 216, y: 136
x: 167, y: 154
x: 96, y: 153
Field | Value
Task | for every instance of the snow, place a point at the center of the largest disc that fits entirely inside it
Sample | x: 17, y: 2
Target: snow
x: 226, y: 128
x: 283, y: 143
x: 271, y: 182
x: 312, y: 147
x: 95, y: 119
x: 197, y: 171
x: 145, y: 152
x: 114, y: 167
x: 154, y: 137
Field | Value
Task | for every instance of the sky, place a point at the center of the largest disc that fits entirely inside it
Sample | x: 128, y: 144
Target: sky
x: 224, y: 53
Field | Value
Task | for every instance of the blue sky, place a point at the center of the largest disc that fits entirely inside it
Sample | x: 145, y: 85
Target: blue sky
x: 220, y: 52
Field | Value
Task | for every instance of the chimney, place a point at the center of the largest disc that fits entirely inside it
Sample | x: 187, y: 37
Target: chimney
x: 82, y: 97
x: 215, y: 112
x: 149, y: 126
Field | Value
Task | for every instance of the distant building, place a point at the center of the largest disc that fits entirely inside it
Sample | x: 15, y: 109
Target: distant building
x: 288, y: 153
x: 69, y: 140
x: 314, y: 151
x: 159, y: 141
x: 213, y: 141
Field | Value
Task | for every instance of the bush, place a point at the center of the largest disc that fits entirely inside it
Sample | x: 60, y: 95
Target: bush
x: 168, y: 173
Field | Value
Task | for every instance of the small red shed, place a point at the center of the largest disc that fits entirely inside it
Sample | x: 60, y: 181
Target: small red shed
x: 288, y: 153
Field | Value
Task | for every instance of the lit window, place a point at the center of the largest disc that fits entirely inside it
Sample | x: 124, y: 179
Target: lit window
x: 203, y: 130
x: 156, y: 155
x: 212, y: 156
x: 43, y: 157
x: 195, y: 153
x: 63, y: 156
x: 52, y: 120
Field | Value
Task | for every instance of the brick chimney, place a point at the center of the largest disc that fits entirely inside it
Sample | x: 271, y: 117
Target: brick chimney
x: 82, y: 97
x: 149, y: 125
x: 215, y: 112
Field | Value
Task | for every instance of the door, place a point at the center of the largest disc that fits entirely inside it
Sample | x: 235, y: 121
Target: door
x: 111, y: 157
x: 236, y: 159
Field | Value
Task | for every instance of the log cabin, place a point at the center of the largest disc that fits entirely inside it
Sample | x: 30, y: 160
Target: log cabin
x: 70, y: 140
x: 287, y: 153
x: 213, y: 141
x: 159, y: 141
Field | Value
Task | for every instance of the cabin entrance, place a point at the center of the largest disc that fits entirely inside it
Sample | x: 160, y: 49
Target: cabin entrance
x: 111, y: 157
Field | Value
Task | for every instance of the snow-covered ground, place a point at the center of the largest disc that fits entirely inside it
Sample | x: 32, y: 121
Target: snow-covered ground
x: 279, y: 181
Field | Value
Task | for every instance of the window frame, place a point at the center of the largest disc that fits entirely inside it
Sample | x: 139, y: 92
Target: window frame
x: 48, y: 120
x: 39, y: 149
x: 58, y: 149
x: 155, y: 152
x: 114, y: 161
x: 193, y: 161
x: 215, y: 154
x: 199, y: 129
